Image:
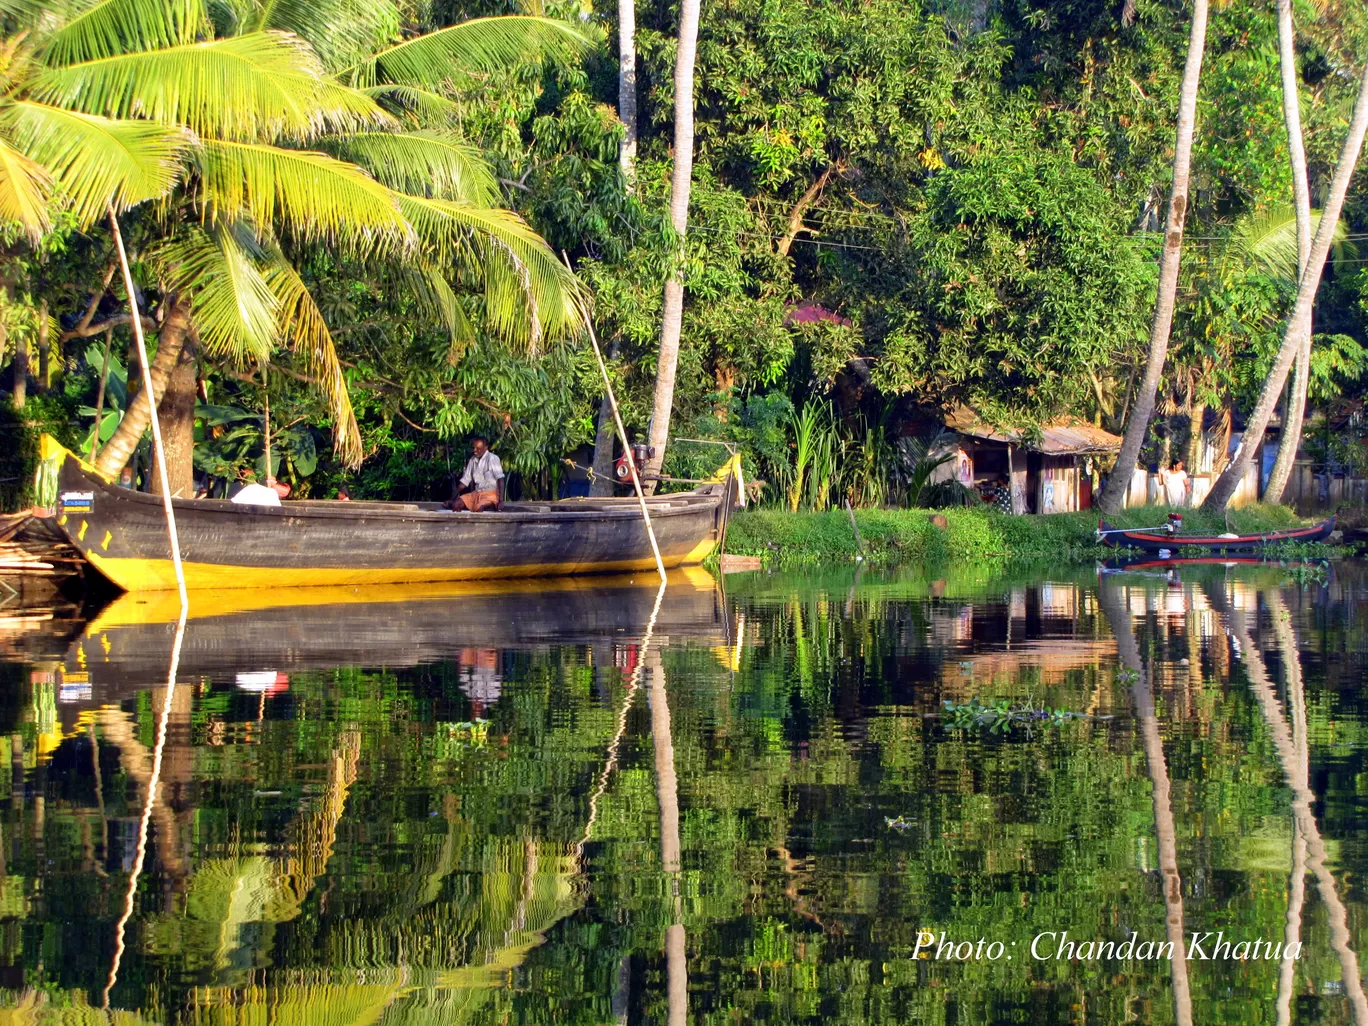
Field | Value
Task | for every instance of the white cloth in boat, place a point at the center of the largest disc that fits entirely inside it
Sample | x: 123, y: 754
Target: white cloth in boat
x: 257, y: 495
x: 485, y: 472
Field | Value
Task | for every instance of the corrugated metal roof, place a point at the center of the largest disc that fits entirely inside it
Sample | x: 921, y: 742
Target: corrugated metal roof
x: 1064, y: 437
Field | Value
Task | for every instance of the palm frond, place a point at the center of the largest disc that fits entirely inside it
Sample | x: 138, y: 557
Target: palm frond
x: 24, y: 189
x: 1269, y: 242
x: 528, y: 292
x: 25, y: 12
x: 233, y: 309
x: 435, y: 294
x: 421, y: 164
x: 342, y: 32
x: 311, y: 195
x: 413, y: 104
x: 110, y: 27
x: 307, y: 335
x: 97, y: 161
x: 481, y: 45
x: 259, y: 86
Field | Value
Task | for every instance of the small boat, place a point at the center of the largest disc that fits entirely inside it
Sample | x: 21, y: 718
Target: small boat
x: 1166, y: 539
x: 122, y: 534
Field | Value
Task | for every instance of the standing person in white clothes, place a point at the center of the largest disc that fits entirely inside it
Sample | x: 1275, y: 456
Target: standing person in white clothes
x: 481, y: 485
x: 1176, y: 484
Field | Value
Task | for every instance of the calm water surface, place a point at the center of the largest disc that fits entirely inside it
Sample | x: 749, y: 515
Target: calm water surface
x: 565, y: 804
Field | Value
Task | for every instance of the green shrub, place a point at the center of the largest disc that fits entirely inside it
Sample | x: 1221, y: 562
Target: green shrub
x: 896, y: 536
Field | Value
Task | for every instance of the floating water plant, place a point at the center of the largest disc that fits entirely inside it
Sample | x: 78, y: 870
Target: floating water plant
x: 1002, y: 717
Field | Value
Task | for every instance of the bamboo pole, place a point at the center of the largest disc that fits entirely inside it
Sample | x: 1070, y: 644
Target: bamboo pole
x: 633, y: 685
x: 135, y: 318
x: 626, y: 446
x: 153, y: 782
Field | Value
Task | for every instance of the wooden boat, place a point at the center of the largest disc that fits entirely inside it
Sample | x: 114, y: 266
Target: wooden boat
x: 1155, y: 540
x: 122, y: 533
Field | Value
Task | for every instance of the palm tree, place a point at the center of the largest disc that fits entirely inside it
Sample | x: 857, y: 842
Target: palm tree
x: 1301, y: 195
x: 287, y: 156
x: 1299, y: 323
x: 1137, y: 424
x: 672, y: 316
x: 50, y: 154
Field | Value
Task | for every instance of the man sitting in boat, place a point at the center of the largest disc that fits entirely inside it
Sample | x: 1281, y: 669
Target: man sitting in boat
x: 481, y: 486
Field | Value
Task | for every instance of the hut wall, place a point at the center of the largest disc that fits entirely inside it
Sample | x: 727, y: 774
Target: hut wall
x: 1058, y: 487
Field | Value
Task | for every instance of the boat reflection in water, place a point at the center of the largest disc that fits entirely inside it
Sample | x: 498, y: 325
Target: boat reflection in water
x: 248, y: 636
x: 474, y: 900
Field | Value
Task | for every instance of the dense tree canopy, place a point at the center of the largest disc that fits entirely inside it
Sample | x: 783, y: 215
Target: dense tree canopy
x: 967, y: 193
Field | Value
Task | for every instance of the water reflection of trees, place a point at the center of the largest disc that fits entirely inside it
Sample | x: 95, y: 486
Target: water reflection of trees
x: 405, y: 875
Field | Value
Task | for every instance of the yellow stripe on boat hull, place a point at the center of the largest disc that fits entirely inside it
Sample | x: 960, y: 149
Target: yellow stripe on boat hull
x: 160, y: 575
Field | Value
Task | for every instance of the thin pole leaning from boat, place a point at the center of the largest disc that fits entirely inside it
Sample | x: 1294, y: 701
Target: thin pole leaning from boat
x: 135, y: 318
x: 622, y: 435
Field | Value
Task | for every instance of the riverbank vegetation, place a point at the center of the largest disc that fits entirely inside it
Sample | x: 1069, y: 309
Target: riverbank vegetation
x: 895, y: 210
x: 893, y: 537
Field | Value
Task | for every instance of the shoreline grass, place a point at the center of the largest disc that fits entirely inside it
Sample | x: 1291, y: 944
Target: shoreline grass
x: 892, y: 537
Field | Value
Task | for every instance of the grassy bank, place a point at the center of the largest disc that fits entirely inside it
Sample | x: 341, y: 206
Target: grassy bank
x: 891, y: 537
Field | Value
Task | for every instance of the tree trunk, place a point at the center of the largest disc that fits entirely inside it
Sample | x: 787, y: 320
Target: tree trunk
x: 121, y: 445
x: 21, y: 369
x: 1299, y: 324
x: 602, y: 484
x: 672, y: 317
x: 177, y: 412
x: 44, y: 343
x: 1196, y: 415
x: 627, y: 97
x: 1301, y: 196
x: 100, y: 395
x: 1137, y: 424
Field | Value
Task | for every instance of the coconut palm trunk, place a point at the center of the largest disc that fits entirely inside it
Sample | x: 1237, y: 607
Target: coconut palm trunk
x: 1137, y: 424
x: 176, y: 410
x: 602, y: 483
x: 19, y: 394
x: 627, y: 97
x: 1301, y: 197
x: 171, y: 340
x: 1298, y: 328
x: 672, y: 317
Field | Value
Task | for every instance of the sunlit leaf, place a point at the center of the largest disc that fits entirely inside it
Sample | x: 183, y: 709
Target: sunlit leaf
x: 96, y: 160
x: 262, y: 86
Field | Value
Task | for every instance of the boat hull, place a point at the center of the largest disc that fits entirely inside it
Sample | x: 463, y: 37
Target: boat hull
x: 122, y: 533
x: 1154, y: 541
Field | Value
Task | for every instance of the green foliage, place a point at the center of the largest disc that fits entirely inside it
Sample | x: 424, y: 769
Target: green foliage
x: 1002, y: 717
x: 907, y: 537
x: 20, y: 433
